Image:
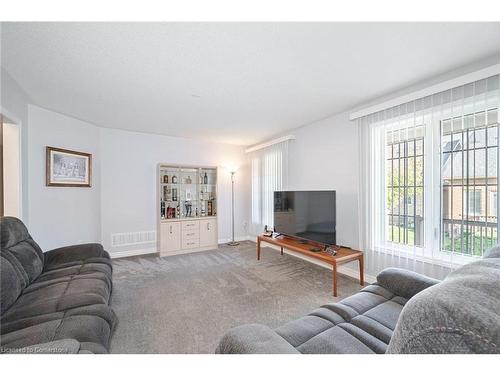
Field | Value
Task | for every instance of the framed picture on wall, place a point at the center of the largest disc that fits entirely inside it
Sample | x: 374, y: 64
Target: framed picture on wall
x: 68, y: 168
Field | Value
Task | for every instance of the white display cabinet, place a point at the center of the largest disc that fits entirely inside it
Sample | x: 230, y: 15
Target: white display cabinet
x: 187, y: 208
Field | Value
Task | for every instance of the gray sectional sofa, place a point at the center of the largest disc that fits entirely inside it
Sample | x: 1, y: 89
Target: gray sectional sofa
x: 403, y: 312
x: 53, y: 302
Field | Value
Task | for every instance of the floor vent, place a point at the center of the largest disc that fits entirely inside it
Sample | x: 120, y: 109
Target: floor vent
x: 133, y: 238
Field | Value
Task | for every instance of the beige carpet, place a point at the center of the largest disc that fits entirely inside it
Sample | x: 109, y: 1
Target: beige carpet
x: 185, y: 303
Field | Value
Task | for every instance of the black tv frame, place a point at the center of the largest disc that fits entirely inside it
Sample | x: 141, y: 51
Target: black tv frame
x: 304, y: 239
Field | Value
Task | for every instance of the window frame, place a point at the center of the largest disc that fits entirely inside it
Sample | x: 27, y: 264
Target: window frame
x: 433, y: 188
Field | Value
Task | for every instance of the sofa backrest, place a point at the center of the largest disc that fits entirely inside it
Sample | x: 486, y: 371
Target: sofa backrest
x: 459, y: 315
x: 21, y: 260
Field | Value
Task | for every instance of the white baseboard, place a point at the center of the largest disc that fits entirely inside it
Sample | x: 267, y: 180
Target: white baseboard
x: 131, y: 253
x: 222, y: 241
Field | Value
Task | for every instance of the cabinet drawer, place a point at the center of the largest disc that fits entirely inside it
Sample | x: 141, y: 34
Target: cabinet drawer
x: 190, y: 234
x: 190, y: 225
x: 189, y: 243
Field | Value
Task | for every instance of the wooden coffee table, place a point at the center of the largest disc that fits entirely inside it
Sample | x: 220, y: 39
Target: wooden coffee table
x: 344, y: 254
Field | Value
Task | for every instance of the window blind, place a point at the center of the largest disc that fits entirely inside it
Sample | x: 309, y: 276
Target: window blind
x: 269, y: 174
x: 429, y: 177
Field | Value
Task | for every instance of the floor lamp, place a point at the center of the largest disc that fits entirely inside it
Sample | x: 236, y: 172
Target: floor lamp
x: 232, y: 242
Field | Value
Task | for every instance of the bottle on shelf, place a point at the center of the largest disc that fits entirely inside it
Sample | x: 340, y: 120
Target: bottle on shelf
x: 205, y: 179
x: 209, y: 210
x: 162, y: 209
x: 174, y: 179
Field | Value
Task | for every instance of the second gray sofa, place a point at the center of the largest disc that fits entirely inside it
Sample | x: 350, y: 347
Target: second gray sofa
x: 403, y: 312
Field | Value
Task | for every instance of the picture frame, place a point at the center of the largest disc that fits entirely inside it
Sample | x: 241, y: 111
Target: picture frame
x: 68, y: 168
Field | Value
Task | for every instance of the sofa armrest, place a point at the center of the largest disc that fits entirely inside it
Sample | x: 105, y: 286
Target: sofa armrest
x: 75, y: 253
x: 254, y: 339
x: 65, y: 346
x: 403, y: 282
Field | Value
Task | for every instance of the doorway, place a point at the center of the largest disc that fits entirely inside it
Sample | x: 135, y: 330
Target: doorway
x: 10, y: 168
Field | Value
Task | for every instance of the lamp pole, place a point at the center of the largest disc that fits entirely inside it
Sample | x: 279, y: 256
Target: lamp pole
x: 233, y: 242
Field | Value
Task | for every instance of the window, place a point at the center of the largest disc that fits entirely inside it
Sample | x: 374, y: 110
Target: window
x: 269, y: 174
x: 429, y: 175
x: 405, y: 186
x: 474, y: 202
x: 469, y: 182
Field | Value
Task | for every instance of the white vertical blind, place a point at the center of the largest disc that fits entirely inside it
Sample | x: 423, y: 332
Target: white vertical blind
x: 453, y: 118
x: 269, y: 174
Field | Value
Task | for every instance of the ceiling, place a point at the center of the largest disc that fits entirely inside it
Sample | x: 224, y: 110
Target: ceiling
x: 236, y: 83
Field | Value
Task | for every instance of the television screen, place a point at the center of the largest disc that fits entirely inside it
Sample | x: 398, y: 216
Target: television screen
x: 310, y: 215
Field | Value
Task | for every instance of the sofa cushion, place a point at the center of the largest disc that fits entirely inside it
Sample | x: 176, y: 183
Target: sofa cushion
x: 376, y: 345
x: 14, y: 238
x: 458, y: 315
x: 22, y: 260
x: 494, y: 252
x: 92, y: 331
x: 81, y: 269
x: 335, y: 340
x: 303, y: 329
x: 255, y: 339
x: 12, y: 283
x: 47, y: 297
x: 76, y: 255
x: 403, y: 282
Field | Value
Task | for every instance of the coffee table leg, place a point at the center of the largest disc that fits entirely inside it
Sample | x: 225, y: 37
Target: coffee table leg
x: 361, y: 271
x: 334, y: 279
x: 258, y: 248
x: 281, y: 251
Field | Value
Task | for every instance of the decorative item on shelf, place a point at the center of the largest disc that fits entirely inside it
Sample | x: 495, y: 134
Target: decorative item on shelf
x: 209, y: 210
x: 174, y: 179
x: 232, y: 170
x: 205, y: 179
x: 189, y: 209
x: 162, y: 209
x: 201, y: 179
x: 167, y: 193
x: 188, y: 195
x: 177, y: 212
x: 203, y: 211
x: 170, y: 212
x: 174, y: 194
x: 188, y: 180
x: 196, y: 212
x: 165, y: 179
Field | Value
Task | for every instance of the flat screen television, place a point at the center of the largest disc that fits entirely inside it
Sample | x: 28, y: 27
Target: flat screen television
x: 309, y: 215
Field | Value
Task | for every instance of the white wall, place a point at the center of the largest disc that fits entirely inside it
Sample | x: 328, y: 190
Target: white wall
x: 129, y: 164
x: 324, y: 155
x: 123, y: 196
x: 62, y: 216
